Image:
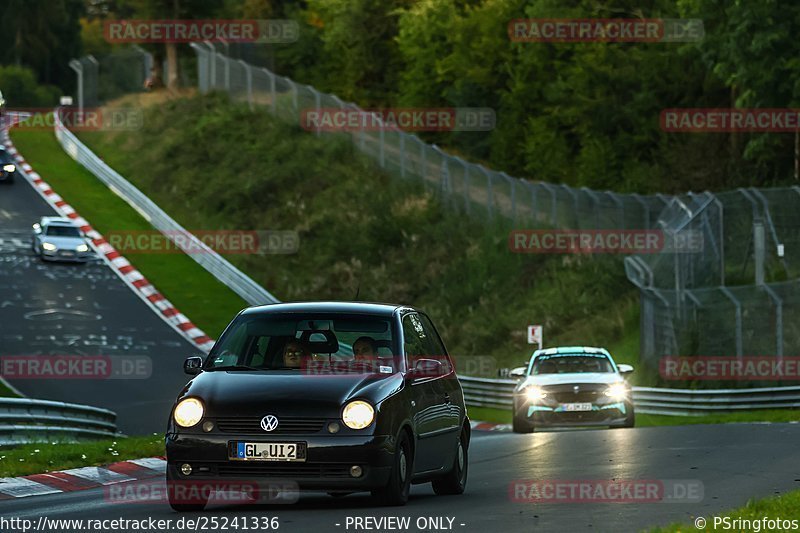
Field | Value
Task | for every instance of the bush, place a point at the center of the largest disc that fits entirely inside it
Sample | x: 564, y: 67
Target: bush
x: 20, y: 89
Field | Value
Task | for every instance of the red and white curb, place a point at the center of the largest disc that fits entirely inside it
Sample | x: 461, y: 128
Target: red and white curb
x: 477, y: 425
x: 124, y: 269
x: 88, y: 477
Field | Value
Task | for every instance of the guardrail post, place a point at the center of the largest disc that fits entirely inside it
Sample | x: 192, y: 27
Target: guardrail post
x: 402, y: 155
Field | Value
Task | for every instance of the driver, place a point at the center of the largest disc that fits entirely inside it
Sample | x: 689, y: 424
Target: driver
x: 294, y: 353
x: 365, y: 350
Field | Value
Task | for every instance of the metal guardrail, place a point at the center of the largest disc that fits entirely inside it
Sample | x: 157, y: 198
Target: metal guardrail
x: 216, y: 265
x: 497, y: 393
x: 24, y: 420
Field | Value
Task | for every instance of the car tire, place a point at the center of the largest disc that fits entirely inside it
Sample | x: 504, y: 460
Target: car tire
x: 520, y: 424
x: 396, y: 491
x: 455, y: 481
x: 630, y: 420
x: 181, y: 507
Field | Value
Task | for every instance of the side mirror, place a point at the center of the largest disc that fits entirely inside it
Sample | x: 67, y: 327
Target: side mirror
x: 427, y: 368
x: 518, y: 372
x: 625, y: 369
x: 193, y: 365
x: 37, y: 229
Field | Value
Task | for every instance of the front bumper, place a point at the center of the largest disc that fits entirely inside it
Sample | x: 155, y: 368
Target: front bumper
x: 67, y: 256
x: 602, y: 414
x: 327, y: 466
x: 7, y: 176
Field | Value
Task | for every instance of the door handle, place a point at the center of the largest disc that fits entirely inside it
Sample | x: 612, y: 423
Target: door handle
x: 446, y: 398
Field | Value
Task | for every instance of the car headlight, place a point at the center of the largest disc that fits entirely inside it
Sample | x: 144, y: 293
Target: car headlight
x: 9, y: 168
x: 49, y: 247
x: 82, y: 248
x: 188, y: 412
x: 535, y: 393
x: 617, y: 391
x: 358, y: 414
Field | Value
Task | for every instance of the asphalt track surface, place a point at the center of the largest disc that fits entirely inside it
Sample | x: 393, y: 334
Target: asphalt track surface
x: 733, y: 462
x: 83, y: 310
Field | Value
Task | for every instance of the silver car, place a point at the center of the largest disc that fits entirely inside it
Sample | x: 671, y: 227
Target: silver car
x: 59, y: 239
x: 572, y: 386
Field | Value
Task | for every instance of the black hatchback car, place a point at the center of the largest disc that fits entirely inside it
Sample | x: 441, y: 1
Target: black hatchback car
x: 8, y: 168
x: 331, y: 396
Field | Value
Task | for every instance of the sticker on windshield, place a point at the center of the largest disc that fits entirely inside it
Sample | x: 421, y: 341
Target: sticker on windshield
x: 385, y: 369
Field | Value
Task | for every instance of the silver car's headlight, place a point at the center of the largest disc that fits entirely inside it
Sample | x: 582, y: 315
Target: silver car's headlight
x: 617, y: 391
x: 49, y: 247
x: 188, y: 412
x: 82, y: 248
x: 534, y: 393
x: 9, y: 168
x: 358, y: 414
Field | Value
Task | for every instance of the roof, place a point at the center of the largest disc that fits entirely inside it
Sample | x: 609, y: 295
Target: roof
x: 326, y: 307
x: 58, y: 220
x: 571, y: 349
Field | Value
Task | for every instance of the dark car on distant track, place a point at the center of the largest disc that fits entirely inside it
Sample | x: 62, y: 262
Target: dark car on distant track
x: 8, y: 168
x: 326, y: 420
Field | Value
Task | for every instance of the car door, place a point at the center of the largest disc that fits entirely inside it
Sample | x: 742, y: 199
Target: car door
x: 425, y: 401
x: 448, y: 392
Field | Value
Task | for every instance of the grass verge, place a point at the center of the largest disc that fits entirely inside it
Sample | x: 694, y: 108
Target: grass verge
x: 195, y: 292
x: 45, y: 457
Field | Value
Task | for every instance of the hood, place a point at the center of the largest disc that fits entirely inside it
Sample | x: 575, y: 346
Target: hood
x: 64, y: 243
x: 599, y: 378
x: 286, y: 392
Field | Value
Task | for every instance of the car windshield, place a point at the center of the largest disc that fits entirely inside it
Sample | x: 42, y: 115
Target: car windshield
x: 63, y: 231
x: 571, y: 363
x: 317, y: 344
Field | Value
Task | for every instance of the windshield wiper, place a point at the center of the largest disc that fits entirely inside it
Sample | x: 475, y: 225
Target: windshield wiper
x: 233, y: 367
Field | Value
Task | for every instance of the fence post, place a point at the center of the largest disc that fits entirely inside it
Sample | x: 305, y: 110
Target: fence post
x: 273, y: 104
x: 212, y: 66
x: 317, y: 106
x: 402, y: 155
x: 382, y: 140
x: 466, y: 185
x: 738, y: 305
x: 249, y: 77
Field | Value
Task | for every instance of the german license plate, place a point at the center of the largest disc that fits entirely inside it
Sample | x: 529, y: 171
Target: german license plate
x: 268, y: 451
x: 572, y: 407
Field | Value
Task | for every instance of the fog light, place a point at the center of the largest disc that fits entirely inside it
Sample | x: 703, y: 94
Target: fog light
x: 333, y: 427
x: 208, y: 425
x: 186, y: 469
x: 355, y: 471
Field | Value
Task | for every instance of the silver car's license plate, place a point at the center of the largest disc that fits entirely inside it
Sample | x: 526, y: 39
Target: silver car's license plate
x: 268, y: 451
x: 571, y: 407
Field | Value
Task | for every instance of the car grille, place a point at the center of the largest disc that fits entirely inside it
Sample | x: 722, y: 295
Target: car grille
x: 572, y: 397
x: 252, y: 426
x: 291, y: 470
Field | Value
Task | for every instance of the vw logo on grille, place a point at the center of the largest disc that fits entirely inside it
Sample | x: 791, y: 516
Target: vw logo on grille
x: 269, y: 422
x: 575, y: 389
